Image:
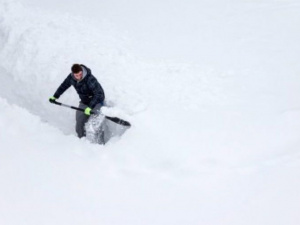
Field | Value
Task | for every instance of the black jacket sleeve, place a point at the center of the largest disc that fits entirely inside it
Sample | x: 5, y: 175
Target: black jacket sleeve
x: 63, y: 87
x: 97, y: 90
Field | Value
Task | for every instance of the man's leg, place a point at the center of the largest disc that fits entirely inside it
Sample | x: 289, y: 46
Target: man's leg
x: 81, y: 119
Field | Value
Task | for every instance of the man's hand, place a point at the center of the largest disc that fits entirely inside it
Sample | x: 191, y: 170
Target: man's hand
x: 87, y: 111
x: 52, y: 99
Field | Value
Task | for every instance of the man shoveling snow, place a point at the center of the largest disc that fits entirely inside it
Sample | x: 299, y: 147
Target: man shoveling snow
x: 90, y: 92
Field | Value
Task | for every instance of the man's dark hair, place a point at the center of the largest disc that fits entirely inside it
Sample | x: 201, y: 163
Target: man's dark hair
x: 76, y: 68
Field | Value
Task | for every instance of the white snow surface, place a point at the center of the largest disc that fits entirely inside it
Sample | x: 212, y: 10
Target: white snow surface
x: 211, y: 89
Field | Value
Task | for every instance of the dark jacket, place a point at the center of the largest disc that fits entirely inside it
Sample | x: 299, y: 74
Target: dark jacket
x: 88, y: 88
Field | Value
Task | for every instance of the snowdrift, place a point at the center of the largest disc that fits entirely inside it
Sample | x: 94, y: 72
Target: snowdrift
x: 209, y: 143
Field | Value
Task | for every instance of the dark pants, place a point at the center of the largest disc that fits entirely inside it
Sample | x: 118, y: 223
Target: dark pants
x: 81, y: 119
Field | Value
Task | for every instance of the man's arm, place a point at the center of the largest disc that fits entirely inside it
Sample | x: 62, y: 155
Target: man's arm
x: 97, y: 90
x: 63, y: 87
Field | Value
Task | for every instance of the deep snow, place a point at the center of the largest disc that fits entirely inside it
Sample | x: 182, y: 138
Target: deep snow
x: 212, y: 95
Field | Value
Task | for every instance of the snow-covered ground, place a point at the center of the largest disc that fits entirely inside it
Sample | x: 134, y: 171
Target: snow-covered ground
x: 210, y: 87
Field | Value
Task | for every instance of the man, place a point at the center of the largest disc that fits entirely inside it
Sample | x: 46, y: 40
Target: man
x: 89, y: 90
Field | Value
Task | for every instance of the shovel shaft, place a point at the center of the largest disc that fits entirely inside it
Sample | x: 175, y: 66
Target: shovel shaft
x: 113, y: 119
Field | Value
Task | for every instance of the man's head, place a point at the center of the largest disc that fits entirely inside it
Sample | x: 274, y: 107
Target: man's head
x: 77, y: 71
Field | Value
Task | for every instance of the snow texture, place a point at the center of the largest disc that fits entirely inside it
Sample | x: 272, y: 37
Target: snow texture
x: 211, y: 89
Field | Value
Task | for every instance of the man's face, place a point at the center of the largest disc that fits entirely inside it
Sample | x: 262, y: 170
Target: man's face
x: 78, y: 75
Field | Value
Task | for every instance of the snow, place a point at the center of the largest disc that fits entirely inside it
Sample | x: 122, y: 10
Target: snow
x: 211, y: 89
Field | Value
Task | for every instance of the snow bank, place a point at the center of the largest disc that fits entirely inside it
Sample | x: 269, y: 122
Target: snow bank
x: 37, y: 55
x: 208, y: 145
